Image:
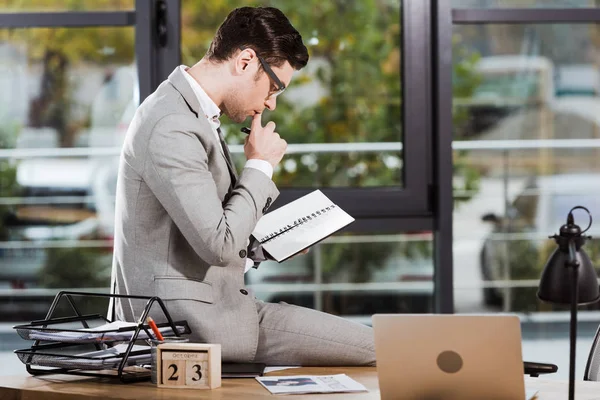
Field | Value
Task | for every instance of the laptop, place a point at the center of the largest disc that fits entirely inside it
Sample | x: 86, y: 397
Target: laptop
x: 242, y: 370
x: 447, y: 357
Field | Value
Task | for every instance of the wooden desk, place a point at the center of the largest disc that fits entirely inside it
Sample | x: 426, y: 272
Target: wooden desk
x: 70, y: 387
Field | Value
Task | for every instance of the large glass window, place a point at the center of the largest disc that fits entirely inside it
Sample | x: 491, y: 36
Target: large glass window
x: 529, y: 87
x: 526, y: 99
x: 65, y: 92
x: 342, y: 113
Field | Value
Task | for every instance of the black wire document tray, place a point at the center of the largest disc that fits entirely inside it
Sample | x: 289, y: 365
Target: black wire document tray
x: 90, y: 344
x: 65, y: 330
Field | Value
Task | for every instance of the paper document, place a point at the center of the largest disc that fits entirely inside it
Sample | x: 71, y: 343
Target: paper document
x: 299, y: 224
x: 279, y: 368
x: 116, y: 351
x: 111, y: 326
x: 106, y: 332
x: 99, y: 359
x: 340, y: 383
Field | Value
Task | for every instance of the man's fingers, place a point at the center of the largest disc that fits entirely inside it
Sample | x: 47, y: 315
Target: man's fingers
x: 256, y: 122
x: 300, y: 254
x: 270, y: 126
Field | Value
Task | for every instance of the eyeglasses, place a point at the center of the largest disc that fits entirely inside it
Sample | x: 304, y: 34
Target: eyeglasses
x: 279, y: 86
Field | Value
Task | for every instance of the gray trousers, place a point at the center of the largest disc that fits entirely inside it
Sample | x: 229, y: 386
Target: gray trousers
x: 293, y: 335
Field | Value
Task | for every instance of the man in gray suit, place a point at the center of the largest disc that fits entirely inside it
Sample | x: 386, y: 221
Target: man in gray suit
x: 184, y: 216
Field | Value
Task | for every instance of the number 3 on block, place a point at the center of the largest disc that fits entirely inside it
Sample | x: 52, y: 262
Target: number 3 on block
x: 195, y: 373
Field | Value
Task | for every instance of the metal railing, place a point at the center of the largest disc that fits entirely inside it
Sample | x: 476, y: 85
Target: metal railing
x: 318, y: 286
x: 365, y: 147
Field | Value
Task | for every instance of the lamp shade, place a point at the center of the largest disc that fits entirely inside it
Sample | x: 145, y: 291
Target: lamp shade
x: 555, y: 283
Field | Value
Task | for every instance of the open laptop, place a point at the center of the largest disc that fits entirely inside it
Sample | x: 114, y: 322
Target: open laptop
x: 447, y: 357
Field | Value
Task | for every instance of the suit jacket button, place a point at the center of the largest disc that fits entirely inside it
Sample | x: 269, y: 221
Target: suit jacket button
x: 242, y: 253
x: 269, y: 200
x: 244, y: 292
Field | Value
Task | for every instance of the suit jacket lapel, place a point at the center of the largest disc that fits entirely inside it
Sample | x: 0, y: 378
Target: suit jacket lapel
x: 180, y: 83
x: 228, y: 158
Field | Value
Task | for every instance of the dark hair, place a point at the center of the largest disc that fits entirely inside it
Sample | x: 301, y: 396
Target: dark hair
x: 266, y: 30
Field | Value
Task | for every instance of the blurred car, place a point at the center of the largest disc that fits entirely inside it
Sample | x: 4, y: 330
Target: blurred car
x: 27, y: 227
x: 518, y: 246
x: 87, y: 185
x: 508, y: 83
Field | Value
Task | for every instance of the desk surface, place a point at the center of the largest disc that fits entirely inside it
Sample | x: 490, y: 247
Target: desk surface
x: 73, y: 387
x: 70, y: 387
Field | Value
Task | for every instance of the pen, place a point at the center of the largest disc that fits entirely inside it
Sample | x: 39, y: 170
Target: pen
x: 245, y: 130
x: 157, y: 333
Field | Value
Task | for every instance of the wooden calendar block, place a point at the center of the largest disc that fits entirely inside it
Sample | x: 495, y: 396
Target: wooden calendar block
x: 189, y: 365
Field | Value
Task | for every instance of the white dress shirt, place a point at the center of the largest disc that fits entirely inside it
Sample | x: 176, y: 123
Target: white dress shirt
x: 212, y: 114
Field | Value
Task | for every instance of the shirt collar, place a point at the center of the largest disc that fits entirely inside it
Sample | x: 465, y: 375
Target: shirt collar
x: 208, y: 106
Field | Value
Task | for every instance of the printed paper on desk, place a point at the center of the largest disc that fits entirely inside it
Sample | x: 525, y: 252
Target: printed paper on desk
x: 280, y: 368
x: 340, y: 383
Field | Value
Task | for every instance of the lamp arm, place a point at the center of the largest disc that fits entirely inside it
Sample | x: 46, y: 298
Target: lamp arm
x: 574, y: 265
x: 573, y: 328
x: 572, y: 259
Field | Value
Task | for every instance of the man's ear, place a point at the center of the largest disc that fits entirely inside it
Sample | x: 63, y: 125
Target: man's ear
x: 244, y: 58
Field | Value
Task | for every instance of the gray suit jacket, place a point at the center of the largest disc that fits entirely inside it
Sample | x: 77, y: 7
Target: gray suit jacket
x: 181, y: 231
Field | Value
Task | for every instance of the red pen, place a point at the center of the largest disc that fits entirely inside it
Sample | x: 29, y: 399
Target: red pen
x: 157, y: 333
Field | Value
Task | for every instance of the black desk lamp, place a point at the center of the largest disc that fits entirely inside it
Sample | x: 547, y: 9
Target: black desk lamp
x: 570, y: 278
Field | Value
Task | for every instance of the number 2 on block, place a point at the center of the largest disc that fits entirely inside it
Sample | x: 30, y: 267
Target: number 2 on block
x: 173, y: 373
x: 173, y: 376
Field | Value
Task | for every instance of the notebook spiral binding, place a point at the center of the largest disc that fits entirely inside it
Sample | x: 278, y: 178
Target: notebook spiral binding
x: 296, y: 224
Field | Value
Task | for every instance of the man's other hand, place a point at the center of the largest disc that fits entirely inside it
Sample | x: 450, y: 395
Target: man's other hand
x: 305, y: 251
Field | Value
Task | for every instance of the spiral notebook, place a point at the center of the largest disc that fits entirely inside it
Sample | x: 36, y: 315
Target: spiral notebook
x: 298, y: 225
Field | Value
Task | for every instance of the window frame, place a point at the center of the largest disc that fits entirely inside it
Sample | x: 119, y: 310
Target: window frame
x: 424, y: 202
x: 447, y: 18
x: 412, y: 200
